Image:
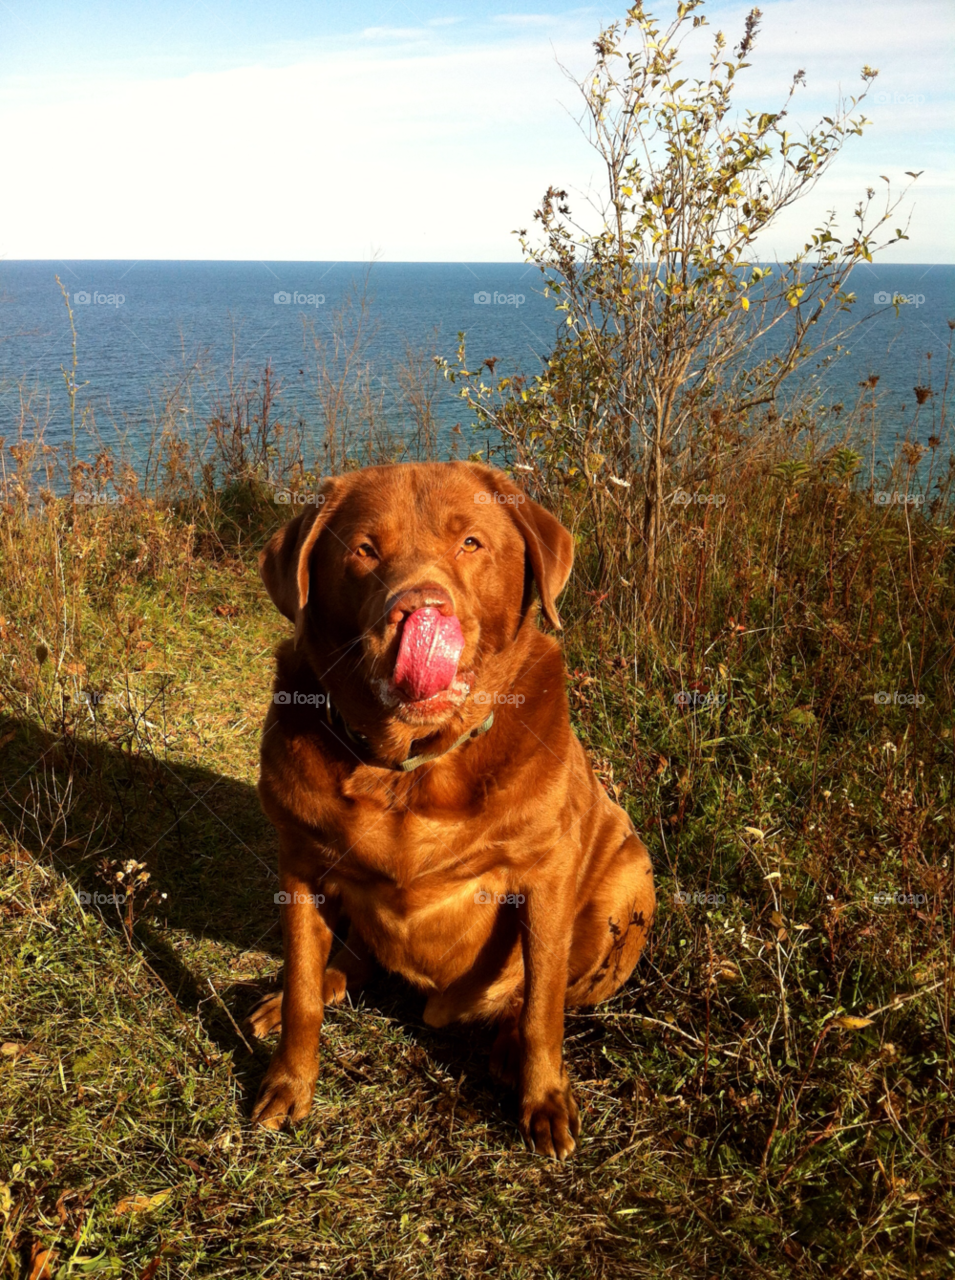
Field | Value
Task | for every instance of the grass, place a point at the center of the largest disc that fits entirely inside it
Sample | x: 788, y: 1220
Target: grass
x: 771, y: 1095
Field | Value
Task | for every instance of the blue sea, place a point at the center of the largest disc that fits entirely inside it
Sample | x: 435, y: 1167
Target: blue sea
x: 146, y: 329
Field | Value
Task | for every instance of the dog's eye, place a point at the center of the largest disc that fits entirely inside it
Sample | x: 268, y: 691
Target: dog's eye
x: 366, y: 551
x: 470, y: 544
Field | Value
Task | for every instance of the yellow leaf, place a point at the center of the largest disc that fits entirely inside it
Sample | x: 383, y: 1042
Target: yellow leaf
x: 142, y: 1203
x: 755, y: 831
x: 744, y: 303
x: 852, y: 1024
x: 41, y: 1263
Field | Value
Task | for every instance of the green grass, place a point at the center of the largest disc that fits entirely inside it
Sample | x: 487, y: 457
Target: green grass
x: 733, y: 1125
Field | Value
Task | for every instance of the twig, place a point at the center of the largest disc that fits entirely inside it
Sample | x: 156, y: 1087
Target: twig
x: 225, y: 1008
x: 897, y: 1001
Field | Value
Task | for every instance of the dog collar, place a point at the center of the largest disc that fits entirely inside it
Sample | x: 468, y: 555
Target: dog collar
x: 412, y: 762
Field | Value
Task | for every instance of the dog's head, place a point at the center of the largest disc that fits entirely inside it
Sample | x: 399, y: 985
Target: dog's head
x: 404, y: 581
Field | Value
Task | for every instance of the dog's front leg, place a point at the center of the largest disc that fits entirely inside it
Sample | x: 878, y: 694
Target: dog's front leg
x: 289, y: 1082
x: 548, y: 1112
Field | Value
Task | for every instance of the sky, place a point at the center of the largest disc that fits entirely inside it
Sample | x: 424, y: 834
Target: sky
x: 303, y: 130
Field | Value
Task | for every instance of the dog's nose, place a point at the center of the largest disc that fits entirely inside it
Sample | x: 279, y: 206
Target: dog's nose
x: 422, y: 596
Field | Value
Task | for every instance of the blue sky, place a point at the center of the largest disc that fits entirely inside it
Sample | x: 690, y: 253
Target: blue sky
x: 414, y: 131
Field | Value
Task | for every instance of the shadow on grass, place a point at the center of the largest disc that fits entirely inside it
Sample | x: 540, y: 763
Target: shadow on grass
x: 76, y: 804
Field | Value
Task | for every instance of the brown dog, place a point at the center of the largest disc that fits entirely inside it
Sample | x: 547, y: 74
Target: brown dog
x: 419, y: 765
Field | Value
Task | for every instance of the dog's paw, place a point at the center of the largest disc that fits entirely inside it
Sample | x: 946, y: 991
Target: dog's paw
x: 266, y: 1016
x: 334, y: 986
x: 550, y: 1125
x: 283, y: 1095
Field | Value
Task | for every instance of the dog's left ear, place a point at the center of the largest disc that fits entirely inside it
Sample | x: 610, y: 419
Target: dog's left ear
x: 283, y: 564
x: 550, y: 547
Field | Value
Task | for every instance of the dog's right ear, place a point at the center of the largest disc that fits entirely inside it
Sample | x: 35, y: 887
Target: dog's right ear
x: 283, y: 564
x: 549, y: 546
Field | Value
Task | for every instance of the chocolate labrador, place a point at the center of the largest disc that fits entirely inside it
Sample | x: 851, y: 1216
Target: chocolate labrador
x: 421, y: 771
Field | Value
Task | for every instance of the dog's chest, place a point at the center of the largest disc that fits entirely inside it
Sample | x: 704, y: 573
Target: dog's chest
x: 401, y: 849
x: 414, y: 889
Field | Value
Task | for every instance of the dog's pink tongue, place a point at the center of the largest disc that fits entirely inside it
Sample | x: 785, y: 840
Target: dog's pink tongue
x: 428, y: 655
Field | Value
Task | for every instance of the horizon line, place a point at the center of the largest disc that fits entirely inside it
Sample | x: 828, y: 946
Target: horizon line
x: 406, y: 262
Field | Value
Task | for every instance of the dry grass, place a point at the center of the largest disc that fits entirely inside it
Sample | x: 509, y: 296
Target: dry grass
x: 772, y: 1093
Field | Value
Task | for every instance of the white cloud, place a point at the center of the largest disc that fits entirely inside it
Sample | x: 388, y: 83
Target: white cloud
x: 415, y: 156
x: 396, y: 33
x: 911, y: 47
x: 433, y: 151
x: 525, y: 19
